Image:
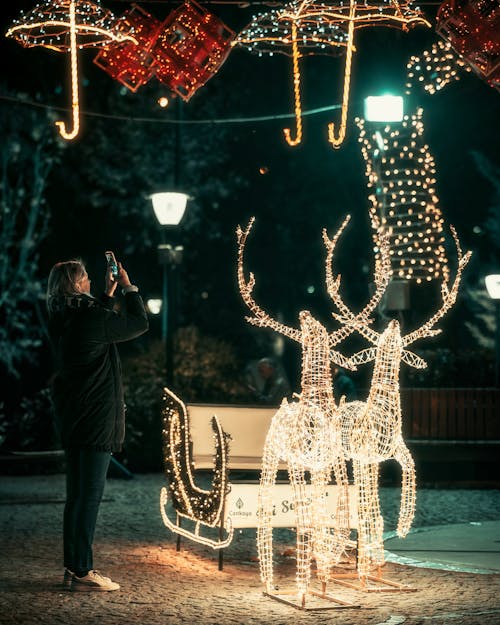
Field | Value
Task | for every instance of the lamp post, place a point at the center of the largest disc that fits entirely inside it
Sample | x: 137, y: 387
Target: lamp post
x: 169, y: 209
x: 493, y: 287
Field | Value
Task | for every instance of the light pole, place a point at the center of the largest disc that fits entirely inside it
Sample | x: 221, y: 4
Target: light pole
x: 169, y: 209
x: 493, y: 287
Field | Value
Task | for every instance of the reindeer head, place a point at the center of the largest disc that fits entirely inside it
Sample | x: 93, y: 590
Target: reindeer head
x: 390, y: 343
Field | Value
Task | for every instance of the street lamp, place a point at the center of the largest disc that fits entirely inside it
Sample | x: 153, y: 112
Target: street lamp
x: 169, y: 208
x: 493, y: 287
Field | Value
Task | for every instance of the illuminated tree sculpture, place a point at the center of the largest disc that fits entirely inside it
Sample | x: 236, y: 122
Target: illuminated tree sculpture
x: 305, y: 434
x: 67, y: 26
x: 372, y: 430
x: 203, y: 507
x: 400, y: 171
x: 435, y: 68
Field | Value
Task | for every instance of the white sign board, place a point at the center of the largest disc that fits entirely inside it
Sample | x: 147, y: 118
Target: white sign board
x: 241, y: 505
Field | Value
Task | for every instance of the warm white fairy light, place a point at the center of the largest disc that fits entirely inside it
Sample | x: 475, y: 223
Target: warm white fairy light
x: 401, y: 179
x: 324, y: 27
x: 371, y: 431
x: 204, y: 507
x: 66, y: 26
x: 435, y: 68
x: 291, y: 31
x: 305, y: 434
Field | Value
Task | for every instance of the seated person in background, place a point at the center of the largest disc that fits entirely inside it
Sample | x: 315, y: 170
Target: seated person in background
x: 270, y: 384
x: 343, y: 385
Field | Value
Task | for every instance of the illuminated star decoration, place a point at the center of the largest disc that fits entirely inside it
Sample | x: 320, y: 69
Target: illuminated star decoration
x: 401, y: 180
x: 306, y: 435
x: 204, y: 508
x: 372, y: 430
x: 183, y: 51
x: 435, y: 68
x: 473, y: 29
x: 68, y: 25
x: 287, y: 31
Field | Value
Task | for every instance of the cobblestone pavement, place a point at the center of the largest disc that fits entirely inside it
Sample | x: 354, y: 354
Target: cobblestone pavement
x: 162, y: 586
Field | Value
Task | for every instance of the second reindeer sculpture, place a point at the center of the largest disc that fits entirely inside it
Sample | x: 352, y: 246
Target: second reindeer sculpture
x: 372, y: 430
x: 305, y: 434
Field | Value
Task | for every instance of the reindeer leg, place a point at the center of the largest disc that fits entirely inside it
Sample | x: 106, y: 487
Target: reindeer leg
x: 377, y: 522
x: 322, y: 524
x: 342, y: 525
x: 303, y: 523
x: 265, y: 512
x: 408, y: 489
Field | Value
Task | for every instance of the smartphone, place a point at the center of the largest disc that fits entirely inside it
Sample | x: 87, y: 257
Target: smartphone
x: 110, y: 257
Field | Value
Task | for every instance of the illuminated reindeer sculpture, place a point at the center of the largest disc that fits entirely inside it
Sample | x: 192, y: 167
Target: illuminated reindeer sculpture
x: 371, y: 430
x: 305, y: 434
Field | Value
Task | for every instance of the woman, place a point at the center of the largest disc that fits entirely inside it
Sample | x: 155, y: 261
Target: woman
x: 88, y: 400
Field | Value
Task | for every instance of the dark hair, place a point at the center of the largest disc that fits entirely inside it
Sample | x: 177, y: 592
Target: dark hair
x: 62, y: 280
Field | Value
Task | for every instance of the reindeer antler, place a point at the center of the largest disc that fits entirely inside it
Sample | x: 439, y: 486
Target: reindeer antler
x: 449, y: 298
x: 382, y: 276
x: 260, y: 317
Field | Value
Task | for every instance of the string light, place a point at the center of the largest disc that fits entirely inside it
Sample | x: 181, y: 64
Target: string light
x: 401, y: 181
x: 323, y: 28
x: 306, y: 435
x: 292, y: 32
x: 66, y: 26
x: 471, y: 27
x: 204, y: 507
x: 183, y: 51
x: 371, y: 431
x: 435, y: 68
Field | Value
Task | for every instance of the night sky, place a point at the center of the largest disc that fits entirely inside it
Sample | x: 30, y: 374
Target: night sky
x: 294, y: 192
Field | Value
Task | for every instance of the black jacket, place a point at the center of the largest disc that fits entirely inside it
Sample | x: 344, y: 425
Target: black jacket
x: 87, y: 386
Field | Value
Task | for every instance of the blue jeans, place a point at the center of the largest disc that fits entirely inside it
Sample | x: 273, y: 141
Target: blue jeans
x: 85, y: 477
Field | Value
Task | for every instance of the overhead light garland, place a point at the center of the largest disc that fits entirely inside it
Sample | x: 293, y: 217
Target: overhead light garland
x: 287, y: 31
x: 67, y: 26
x: 205, y: 508
x: 473, y: 29
x: 183, y: 51
x: 401, y: 180
x: 333, y: 24
x: 306, y: 435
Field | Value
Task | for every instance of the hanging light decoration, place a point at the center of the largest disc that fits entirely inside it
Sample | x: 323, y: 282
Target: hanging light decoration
x: 183, y: 51
x: 335, y: 23
x: 191, y: 48
x: 473, y: 29
x: 288, y: 31
x: 401, y: 180
x: 67, y: 26
x: 130, y: 63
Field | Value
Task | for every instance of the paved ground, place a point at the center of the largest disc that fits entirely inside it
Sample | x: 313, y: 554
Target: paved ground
x: 162, y: 586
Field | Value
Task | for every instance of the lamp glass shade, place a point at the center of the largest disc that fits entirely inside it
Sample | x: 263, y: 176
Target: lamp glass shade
x: 154, y: 306
x: 384, y: 108
x: 169, y: 207
x: 493, y: 285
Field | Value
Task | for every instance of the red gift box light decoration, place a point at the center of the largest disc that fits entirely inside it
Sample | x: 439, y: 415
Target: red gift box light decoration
x: 183, y: 51
x: 131, y: 64
x: 473, y: 29
x: 191, y: 48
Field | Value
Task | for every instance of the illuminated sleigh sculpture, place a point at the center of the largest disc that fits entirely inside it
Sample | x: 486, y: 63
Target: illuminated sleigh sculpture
x: 203, y: 507
x: 371, y: 430
x: 305, y: 434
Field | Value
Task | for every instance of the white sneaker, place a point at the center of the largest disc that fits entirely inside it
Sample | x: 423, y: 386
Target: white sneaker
x: 67, y: 579
x: 93, y: 582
